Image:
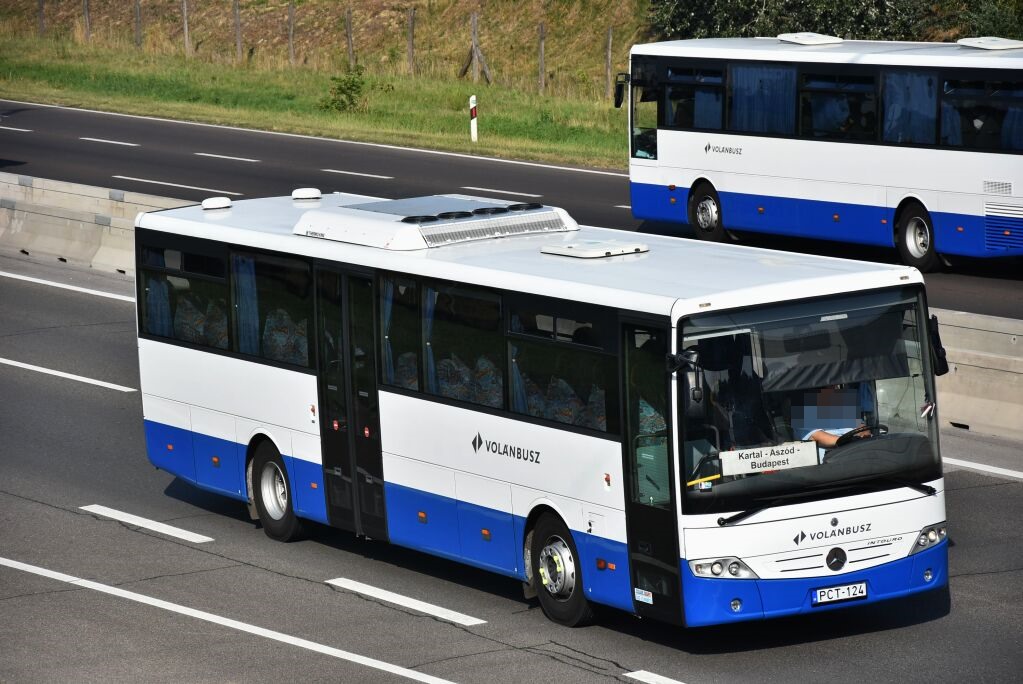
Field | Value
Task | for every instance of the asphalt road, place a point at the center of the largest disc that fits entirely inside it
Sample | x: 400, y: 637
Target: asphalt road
x: 65, y: 444
x: 192, y: 162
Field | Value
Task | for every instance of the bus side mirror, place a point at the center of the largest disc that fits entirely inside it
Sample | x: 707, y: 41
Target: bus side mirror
x: 938, y: 356
x: 689, y: 360
x: 620, y: 81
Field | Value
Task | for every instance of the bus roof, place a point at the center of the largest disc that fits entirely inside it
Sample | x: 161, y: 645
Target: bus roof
x: 898, y: 53
x: 672, y: 277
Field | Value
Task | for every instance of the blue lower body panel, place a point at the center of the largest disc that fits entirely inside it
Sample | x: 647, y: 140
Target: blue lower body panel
x: 957, y: 234
x: 170, y: 448
x: 708, y: 601
x: 307, y: 485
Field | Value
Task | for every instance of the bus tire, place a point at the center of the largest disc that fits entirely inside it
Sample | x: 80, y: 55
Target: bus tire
x: 557, y: 573
x: 915, y: 239
x: 705, y: 213
x: 272, y: 495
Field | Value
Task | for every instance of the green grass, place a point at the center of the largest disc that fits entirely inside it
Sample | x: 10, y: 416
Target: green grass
x: 429, y: 112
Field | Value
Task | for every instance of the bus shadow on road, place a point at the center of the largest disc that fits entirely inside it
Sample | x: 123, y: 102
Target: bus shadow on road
x: 758, y: 635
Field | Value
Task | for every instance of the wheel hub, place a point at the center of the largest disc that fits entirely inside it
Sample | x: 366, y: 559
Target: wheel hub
x: 918, y: 238
x: 557, y: 568
x: 274, y: 490
x: 707, y: 214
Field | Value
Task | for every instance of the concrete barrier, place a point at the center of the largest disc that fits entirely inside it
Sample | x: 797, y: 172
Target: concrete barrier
x: 95, y: 227
x: 983, y: 390
x: 79, y: 224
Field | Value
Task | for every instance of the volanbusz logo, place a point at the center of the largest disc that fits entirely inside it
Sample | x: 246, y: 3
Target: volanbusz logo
x: 476, y: 443
x: 799, y: 537
x: 502, y: 449
x: 721, y: 149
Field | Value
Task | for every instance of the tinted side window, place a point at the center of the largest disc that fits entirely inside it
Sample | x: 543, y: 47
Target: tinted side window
x: 273, y: 307
x: 910, y: 107
x: 400, y: 332
x: 762, y: 99
x: 184, y: 297
x: 464, y: 345
x: 982, y: 115
x: 838, y: 107
x: 695, y: 98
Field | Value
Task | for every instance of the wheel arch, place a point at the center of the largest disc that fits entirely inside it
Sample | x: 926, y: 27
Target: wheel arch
x: 536, y: 511
x: 256, y: 439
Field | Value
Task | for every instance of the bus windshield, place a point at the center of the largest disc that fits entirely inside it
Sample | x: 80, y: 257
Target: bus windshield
x: 806, y: 400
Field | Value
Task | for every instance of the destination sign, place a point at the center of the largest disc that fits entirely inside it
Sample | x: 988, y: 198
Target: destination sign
x: 762, y: 459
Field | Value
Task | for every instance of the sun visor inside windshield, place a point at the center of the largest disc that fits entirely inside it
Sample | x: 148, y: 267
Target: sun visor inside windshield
x: 839, y: 351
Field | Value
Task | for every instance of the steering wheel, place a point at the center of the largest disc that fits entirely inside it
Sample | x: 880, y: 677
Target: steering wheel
x: 855, y: 432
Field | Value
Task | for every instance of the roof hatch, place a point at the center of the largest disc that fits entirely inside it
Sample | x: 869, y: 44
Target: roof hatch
x: 991, y: 43
x: 432, y: 221
x: 595, y: 249
x: 808, y: 38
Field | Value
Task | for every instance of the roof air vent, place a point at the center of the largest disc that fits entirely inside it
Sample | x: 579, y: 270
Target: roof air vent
x: 525, y: 206
x: 216, y: 203
x: 808, y: 38
x: 454, y: 214
x: 489, y: 211
x: 418, y: 219
x: 305, y: 194
x: 594, y: 249
x: 991, y: 43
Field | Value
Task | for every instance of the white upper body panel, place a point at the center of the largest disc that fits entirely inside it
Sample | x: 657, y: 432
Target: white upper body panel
x: 895, y: 53
x: 675, y: 277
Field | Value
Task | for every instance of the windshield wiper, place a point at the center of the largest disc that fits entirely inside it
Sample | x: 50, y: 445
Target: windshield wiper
x: 816, y: 491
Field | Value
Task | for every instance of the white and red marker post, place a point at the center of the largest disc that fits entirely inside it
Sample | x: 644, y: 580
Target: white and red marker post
x: 473, y: 133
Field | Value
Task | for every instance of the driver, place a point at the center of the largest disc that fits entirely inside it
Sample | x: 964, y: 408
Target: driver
x: 826, y: 415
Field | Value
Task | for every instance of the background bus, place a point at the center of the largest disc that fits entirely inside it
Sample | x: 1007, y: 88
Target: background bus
x: 912, y: 145
x: 609, y: 421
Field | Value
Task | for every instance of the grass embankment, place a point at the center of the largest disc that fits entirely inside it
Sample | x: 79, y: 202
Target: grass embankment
x: 421, y: 111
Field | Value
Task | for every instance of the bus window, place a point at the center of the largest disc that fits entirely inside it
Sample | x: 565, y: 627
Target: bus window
x: 464, y: 349
x: 910, y: 106
x: 694, y: 98
x: 762, y: 99
x: 984, y: 115
x: 273, y: 304
x: 839, y: 107
x: 185, y: 297
x: 646, y: 95
x: 400, y: 332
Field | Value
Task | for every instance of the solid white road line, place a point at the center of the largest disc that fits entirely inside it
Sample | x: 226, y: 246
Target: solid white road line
x: 39, y: 281
x: 177, y: 185
x: 623, y: 206
x: 441, y: 153
x: 19, y: 130
x: 67, y: 376
x: 356, y: 173
x: 413, y: 604
x: 995, y: 470
x: 111, y: 142
x: 650, y: 677
x: 160, y: 527
x: 500, y: 192
x: 226, y: 622
x: 224, y: 156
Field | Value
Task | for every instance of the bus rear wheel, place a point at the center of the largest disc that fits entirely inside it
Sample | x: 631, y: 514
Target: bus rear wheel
x: 556, y: 573
x: 915, y: 239
x: 705, y: 213
x: 272, y: 495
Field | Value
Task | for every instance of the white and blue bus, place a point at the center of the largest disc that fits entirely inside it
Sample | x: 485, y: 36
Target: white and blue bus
x: 912, y: 145
x: 692, y: 432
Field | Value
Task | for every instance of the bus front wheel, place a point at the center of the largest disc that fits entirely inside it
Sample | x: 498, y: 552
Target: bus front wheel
x: 557, y: 575
x: 272, y: 495
x: 915, y: 239
x: 705, y: 213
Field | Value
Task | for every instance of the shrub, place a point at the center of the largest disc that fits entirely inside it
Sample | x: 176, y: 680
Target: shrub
x: 347, y: 92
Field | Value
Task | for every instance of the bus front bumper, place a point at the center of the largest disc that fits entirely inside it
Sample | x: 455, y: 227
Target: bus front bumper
x: 713, y: 601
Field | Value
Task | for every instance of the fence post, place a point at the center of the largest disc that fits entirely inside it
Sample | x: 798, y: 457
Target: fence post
x: 607, y: 67
x: 138, y: 23
x: 88, y: 21
x: 412, y: 40
x: 238, y: 30
x: 291, y: 32
x: 348, y: 37
x: 475, y: 49
x: 42, y: 18
x: 184, y: 21
x: 542, y: 70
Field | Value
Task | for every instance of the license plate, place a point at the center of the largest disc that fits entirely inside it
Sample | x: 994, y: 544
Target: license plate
x: 846, y: 592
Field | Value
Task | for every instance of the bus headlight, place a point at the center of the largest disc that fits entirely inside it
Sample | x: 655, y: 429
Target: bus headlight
x: 722, y: 568
x: 929, y: 536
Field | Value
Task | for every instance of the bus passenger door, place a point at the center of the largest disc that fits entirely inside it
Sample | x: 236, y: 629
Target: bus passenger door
x: 651, y: 523
x: 352, y: 466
